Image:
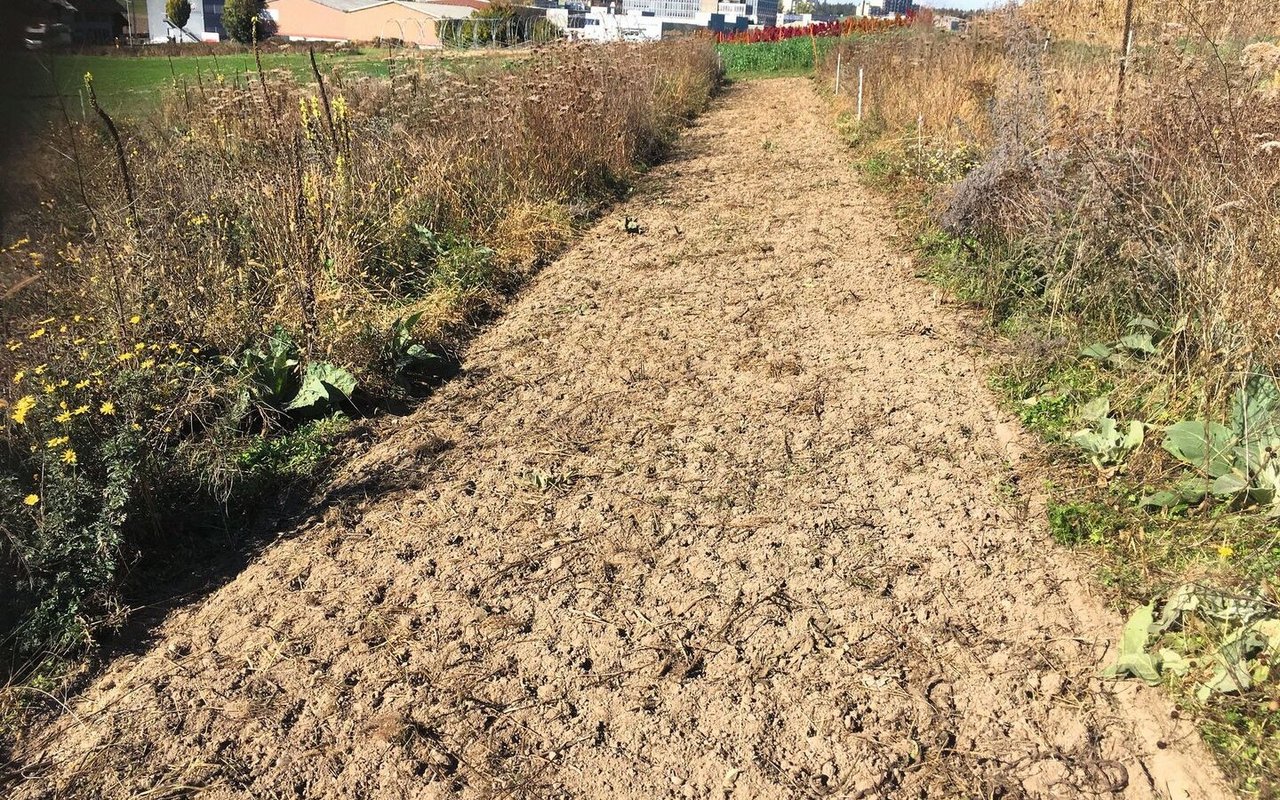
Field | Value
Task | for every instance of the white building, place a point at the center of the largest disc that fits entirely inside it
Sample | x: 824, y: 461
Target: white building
x: 644, y: 20
x: 599, y: 25
x: 195, y: 30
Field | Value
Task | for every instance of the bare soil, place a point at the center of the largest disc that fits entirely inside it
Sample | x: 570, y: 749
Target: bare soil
x: 717, y: 509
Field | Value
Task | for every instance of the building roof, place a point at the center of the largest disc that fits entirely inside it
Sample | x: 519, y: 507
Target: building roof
x: 475, y: 5
x: 351, y: 5
x: 450, y: 10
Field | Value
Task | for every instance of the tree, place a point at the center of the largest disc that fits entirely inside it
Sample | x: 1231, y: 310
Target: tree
x: 804, y: 7
x: 245, y: 19
x: 178, y: 12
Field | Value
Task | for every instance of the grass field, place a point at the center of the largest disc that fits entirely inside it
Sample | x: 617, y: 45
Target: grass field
x: 786, y: 58
x: 131, y: 84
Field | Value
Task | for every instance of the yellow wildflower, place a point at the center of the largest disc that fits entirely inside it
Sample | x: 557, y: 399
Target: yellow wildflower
x: 125, y: 356
x: 81, y: 410
x: 68, y: 456
x: 56, y: 442
x: 139, y: 346
x: 36, y: 334
x: 19, y: 375
x: 135, y: 319
x: 148, y: 363
x: 40, y: 369
x: 1225, y: 551
x: 82, y: 384
x: 108, y: 409
x: 48, y: 387
x: 22, y: 407
x: 31, y: 499
x: 63, y: 418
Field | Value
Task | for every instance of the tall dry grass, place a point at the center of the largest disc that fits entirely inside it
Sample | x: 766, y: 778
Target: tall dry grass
x: 1102, y: 21
x: 1127, y: 242
x: 1158, y: 204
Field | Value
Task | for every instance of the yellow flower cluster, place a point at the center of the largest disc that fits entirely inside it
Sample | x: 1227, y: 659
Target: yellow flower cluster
x: 22, y: 408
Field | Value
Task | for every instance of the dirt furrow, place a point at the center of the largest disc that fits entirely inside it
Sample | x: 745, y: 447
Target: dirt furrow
x: 717, y: 509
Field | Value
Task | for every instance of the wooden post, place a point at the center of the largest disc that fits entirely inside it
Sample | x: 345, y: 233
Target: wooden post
x: 1126, y: 47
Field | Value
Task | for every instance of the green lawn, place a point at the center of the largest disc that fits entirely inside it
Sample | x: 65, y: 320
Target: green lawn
x: 789, y: 57
x: 131, y: 85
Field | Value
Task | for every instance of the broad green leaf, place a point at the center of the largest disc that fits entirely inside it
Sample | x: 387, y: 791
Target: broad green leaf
x: 1184, y: 600
x: 1161, y: 499
x: 1229, y: 485
x: 322, y: 384
x: 1144, y: 322
x: 1133, y: 437
x: 1133, y: 639
x: 1107, y: 431
x: 1173, y: 661
x: 1189, y: 490
x: 1204, y: 445
x: 1090, y: 441
x: 1097, y: 351
x: 1253, y: 409
x: 1137, y: 665
x: 1270, y: 630
x: 1138, y: 343
x: 1096, y: 409
x: 1234, y: 669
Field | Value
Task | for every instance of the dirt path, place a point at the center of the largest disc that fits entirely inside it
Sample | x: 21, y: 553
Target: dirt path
x: 717, y: 510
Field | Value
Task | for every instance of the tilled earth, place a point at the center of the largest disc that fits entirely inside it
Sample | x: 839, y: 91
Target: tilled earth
x: 717, y: 509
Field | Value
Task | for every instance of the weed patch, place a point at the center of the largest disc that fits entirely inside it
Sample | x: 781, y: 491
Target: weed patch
x: 197, y: 301
x: 1100, y: 232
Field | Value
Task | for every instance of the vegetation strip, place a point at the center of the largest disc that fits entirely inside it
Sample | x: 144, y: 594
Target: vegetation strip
x: 206, y: 294
x: 1123, y: 243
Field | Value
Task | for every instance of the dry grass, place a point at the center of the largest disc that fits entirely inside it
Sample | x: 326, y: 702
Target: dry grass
x: 1161, y: 211
x: 1070, y: 208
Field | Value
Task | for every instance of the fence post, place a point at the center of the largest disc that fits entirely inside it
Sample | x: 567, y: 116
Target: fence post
x: 859, y: 94
x: 1126, y: 47
x: 839, y: 62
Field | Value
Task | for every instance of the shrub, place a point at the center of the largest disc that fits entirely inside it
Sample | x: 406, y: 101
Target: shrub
x: 178, y: 12
x: 498, y: 25
x: 244, y: 20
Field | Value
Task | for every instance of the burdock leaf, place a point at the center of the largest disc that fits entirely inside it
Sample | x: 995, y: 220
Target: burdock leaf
x: 1098, y: 351
x: 1203, y: 445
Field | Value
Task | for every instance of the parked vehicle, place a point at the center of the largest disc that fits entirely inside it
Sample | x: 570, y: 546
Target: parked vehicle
x: 44, y: 35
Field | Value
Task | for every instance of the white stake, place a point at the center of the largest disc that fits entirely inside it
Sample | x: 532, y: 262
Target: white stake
x: 839, y: 61
x: 859, y: 94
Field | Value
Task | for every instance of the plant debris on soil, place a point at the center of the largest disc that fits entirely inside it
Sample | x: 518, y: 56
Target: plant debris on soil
x: 720, y: 507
